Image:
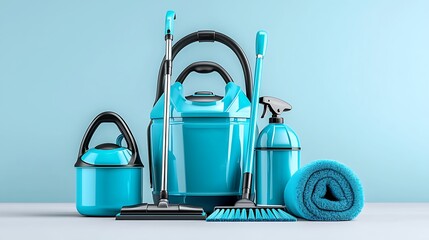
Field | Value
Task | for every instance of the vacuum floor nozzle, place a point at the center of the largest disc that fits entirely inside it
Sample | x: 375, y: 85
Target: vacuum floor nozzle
x: 146, y: 211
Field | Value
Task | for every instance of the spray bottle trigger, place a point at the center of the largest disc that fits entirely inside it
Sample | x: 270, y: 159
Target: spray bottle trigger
x: 275, y: 105
x: 265, y: 111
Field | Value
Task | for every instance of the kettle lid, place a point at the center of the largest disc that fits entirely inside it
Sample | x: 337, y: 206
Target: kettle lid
x: 107, y: 154
x: 108, y: 146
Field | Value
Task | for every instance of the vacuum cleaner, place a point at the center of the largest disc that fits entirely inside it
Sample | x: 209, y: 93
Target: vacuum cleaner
x: 209, y: 132
x: 164, y: 210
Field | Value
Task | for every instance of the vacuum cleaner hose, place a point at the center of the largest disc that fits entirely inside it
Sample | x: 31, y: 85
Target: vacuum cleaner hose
x: 208, y: 36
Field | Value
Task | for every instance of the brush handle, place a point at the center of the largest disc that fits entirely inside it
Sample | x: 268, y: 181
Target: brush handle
x: 261, y: 45
x: 261, y: 42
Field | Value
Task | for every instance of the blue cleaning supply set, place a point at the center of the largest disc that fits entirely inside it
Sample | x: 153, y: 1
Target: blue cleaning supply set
x: 208, y: 148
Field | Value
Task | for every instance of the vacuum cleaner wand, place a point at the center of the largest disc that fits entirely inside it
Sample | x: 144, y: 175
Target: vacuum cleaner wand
x: 168, y: 64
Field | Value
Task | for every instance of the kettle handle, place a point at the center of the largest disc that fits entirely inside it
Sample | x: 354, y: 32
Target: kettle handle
x: 204, y: 67
x: 111, y: 117
x: 208, y: 36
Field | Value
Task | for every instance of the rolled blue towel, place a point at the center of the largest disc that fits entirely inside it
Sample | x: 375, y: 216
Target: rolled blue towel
x: 324, y: 190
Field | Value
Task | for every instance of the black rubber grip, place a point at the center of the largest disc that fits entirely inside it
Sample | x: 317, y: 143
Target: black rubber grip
x: 206, y: 36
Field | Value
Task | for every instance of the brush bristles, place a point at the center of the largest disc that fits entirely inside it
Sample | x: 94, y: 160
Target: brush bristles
x: 250, y: 214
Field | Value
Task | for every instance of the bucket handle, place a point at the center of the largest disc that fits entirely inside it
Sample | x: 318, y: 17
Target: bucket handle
x: 109, y: 117
x: 204, y: 67
x: 208, y: 36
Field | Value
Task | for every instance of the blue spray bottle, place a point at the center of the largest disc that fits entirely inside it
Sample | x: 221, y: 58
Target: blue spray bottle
x: 277, y: 154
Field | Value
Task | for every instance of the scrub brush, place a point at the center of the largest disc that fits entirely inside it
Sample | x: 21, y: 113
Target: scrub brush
x: 245, y: 209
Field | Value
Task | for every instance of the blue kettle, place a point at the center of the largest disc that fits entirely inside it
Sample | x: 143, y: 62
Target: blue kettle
x: 108, y: 176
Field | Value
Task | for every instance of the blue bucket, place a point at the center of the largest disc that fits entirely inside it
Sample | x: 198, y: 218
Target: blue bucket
x: 206, y: 150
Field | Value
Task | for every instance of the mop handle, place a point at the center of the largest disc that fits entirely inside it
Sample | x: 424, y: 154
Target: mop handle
x: 261, y: 44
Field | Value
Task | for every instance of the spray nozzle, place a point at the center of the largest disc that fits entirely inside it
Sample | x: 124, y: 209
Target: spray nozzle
x: 276, y: 107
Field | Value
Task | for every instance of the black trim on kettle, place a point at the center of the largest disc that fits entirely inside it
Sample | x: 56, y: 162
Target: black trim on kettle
x: 107, y: 146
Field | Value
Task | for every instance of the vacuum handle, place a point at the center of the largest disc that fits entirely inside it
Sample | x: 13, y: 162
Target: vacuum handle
x: 208, y: 36
x: 204, y: 67
x: 170, y: 16
x: 110, y: 117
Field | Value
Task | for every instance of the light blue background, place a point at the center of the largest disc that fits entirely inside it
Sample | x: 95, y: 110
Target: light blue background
x: 356, y: 73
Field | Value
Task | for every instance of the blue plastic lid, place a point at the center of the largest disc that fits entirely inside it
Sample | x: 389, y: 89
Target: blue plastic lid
x: 116, y: 156
x: 234, y: 104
